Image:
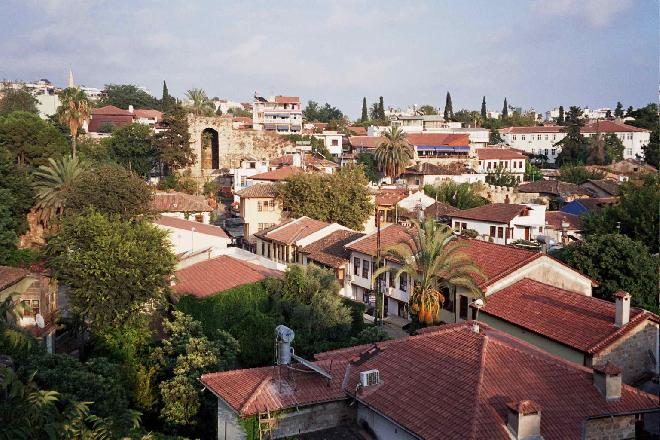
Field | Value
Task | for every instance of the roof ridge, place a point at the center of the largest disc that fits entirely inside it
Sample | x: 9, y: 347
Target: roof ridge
x: 484, y: 340
x: 255, y: 393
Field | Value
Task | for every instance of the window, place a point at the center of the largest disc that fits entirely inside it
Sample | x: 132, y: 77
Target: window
x: 492, y: 231
x: 391, y: 278
x: 554, y: 151
x: 356, y: 266
x: 630, y: 136
x: 457, y: 226
x: 449, y: 300
x: 463, y: 225
x: 403, y: 282
x: 508, y: 232
x: 263, y: 248
x: 199, y: 218
x: 253, y: 164
x: 30, y: 308
x: 514, y: 137
x: 538, y: 137
x: 500, y: 232
x: 259, y: 207
x: 335, y: 142
x: 522, y: 137
x: 629, y: 151
x: 268, y: 250
x: 546, y: 137
x: 554, y: 137
x: 463, y: 312
x: 365, y: 269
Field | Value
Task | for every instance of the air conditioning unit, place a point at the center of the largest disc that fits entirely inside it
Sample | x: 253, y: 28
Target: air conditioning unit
x: 369, y: 378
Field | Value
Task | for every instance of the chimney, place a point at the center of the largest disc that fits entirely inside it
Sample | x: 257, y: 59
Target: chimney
x: 607, y: 380
x: 622, y: 315
x: 524, y: 420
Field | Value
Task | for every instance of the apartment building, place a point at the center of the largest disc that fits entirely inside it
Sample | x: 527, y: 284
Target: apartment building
x: 259, y: 208
x: 510, y: 160
x: 502, y: 223
x: 279, y: 114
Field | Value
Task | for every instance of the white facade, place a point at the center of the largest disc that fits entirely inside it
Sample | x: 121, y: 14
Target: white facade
x: 188, y: 241
x: 332, y: 140
x: 435, y: 179
x: 521, y: 227
x: 200, y: 217
x: 248, y: 168
x: 479, y: 137
x: 513, y: 166
x: 280, y: 114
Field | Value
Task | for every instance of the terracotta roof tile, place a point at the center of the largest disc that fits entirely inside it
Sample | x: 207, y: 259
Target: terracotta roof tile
x: 495, y: 212
x: 147, y: 113
x: 608, y: 368
x: 609, y: 127
x: 609, y: 186
x: 258, y: 190
x: 554, y: 187
x: 575, y: 320
x: 330, y: 250
x: 555, y: 219
x: 438, y: 139
x: 499, y: 154
x: 278, y: 174
x: 358, y: 131
x: 179, y: 202
x: 111, y: 110
x: 287, y: 99
x: 11, y: 275
x: 218, y: 274
x: 202, y: 228
x: 292, y: 231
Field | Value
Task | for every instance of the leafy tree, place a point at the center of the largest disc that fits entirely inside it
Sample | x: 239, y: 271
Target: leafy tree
x: 484, y: 112
x: 239, y: 112
x: 427, y: 109
x: 327, y: 113
x: 618, y: 263
x: 17, y: 100
x: 573, y: 146
x: 394, y: 153
x: 94, y: 151
x: 578, y: 174
x: 73, y: 111
x: 370, y: 166
x: 494, y: 137
x: 629, y: 110
x: 123, y: 95
x: 130, y: 197
x: 433, y: 262
x: 532, y: 173
x: 30, y: 139
x: 200, y: 104
x: 167, y: 102
x: 173, y: 146
x: 131, y: 146
x: 381, y: 109
x: 365, y: 116
x: 561, y: 120
x: 318, y: 145
x: 608, y: 114
x: 613, y: 148
x: 19, y: 196
x: 618, y: 111
x: 52, y: 185
x: 505, y: 110
x: 341, y: 197
x: 467, y: 118
x: 115, y: 269
x: 647, y: 117
x: 500, y: 176
x: 458, y: 195
x: 449, y: 112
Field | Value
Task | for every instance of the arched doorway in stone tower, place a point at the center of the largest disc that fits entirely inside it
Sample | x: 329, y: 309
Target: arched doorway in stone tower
x: 210, y: 149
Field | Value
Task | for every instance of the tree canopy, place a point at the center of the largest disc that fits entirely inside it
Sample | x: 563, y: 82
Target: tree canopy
x: 173, y: 146
x: 31, y: 140
x: 17, y: 100
x: 131, y: 146
x: 326, y: 113
x: 574, y: 146
x: 16, y: 199
x: 449, y: 111
x: 458, y: 195
x: 123, y: 95
x: 647, y: 117
x: 578, y: 174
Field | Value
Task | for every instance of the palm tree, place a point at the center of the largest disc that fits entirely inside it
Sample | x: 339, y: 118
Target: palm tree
x: 73, y: 111
x: 201, y: 105
x: 433, y: 260
x: 52, y: 183
x: 394, y: 152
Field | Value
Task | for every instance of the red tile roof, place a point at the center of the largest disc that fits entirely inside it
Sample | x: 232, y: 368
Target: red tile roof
x: 554, y: 187
x: 391, y: 196
x: 495, y: 212
x: 358, y: 131
x: 438, y: 139
x: 258, y: 191
x: 534, y: 129
x: 554, y: 219
x: 188, y: 225
x: 149, y: 114
x: 278, y: 174
x: 368, y: 142
x: 292, y: 231
x: 330, y: 250
x: 609, y: 127
x: 437, y: 210
x: 179, y: 202
x: 111, y: 110
x: 11, y: 275
x: 582, y: 322
x: 218, y: 274
x: 287, y: 99
x: 391, y: 235
x: 499, y: 154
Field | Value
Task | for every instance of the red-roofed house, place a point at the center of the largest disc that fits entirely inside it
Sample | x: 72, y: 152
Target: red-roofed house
x: 579, y: 328
x: 187, y: 236
x: 277, y: 175
x: 147, y: 116
x: 562, y: 227
x: 461, y: 381
x: 507, y: 159
x: 109, y: 116
x: 182, y: 205
x: 428, y: 146
x: 280, y: 114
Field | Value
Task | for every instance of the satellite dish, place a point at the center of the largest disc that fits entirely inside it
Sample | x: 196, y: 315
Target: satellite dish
x: 40, y: 321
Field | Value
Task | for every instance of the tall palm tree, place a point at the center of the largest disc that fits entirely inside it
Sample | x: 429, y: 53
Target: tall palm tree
x: 52, y: 183
x: 432, y: 259
x: 200, y: 103
x: 394, y: 152
x: 73, y: 111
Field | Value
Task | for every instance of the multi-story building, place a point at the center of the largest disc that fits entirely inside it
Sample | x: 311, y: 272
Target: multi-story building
x: 502, y: 223
x: 281, y: 114
x: 543, y: 140
x: 507, y: 159
x: 259, y: 208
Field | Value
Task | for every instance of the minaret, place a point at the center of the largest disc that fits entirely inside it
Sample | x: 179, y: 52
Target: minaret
x: 71, y: 83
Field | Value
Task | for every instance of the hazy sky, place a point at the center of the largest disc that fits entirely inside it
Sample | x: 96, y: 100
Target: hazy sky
x: 537, y: 53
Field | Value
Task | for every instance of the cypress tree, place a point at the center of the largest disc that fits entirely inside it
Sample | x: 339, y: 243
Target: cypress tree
x: 618, y: 111
x: 166, y: 100
x: 381, y: 108
x: 449, y: 112
x: 560, y: 119
x: 483, y: 108
x: 505, y: 110
x: 365, y: 116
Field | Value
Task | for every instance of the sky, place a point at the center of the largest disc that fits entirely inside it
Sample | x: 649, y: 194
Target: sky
x: 537, y: 53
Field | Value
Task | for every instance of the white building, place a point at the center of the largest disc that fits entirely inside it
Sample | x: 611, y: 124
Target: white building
x: 543, y: 140
x: 478, y: 137
x: 281, y: 114
x: 188, y: 236
x: 224, y: 105
x: 332, y: 140
x: 502, y: 223
x: 491, y: 158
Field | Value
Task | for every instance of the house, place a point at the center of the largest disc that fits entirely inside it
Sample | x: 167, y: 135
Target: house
x: 392, y: 200
x: 148, y: 117
x: 553, y: 190
x: 249, y: 167
x: 311, y: 162
x: 601, y: 188
x: 280, y: 114
x: 333, y: 141
x: 543, y: 139
x: 37, y: 293
x: 357, y: 131
x: 426, y: 173
x: 579, y: 328
x: 457, y: 381
x: 276, y: 175
x: 507, y: 159
x: 431, y: 147
x: 187, y: 236
x: 330, y: 252
x: 259, y: 208
x: 584, y: 206
x: 562, y: 227
x: 214, y: 275
x: 502, y: 223
x: 438, y: 211
x: 109, y: 116
x: 182, y: 205
x: 283, y: 242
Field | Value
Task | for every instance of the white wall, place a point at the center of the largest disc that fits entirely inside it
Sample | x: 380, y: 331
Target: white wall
x: 535, y: 221
x: 206, y: 216
x: 188, y: 241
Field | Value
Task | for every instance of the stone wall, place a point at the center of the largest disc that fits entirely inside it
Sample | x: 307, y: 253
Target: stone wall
x: 610, y: 428
x: 630, y: 353
x: 314, y: 418
x: 499, y: 194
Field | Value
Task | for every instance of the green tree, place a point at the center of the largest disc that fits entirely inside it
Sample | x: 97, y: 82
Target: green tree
x: 17, y: 100
x: 381, y: 109
x: 53, y: 183
x: 484, y: 112
x: 31, y: 140
x: 132, y: 147
x: 618, y: 263
x: 494, y: 137
x: 468, y: 118
x: 200, y: 104
x: 574, y: 146
x: 130, y: 197
x: 578, y: 174
x: 613, y: 148
x: 433, y: 260
x: 173, y: 146
x: 505, y: 110
x: 618, y: 111
x: 326, y: 113
x: 19, y: 196
x: 239, y: 112
x: 647, y: 117
x: 561, y: 120
x: 532, y: 173
x: 394, y: 153
x: 458, y: 195
x: 73, y: 111
x: 123, y: 95
x: 167, y: 102
x: 116, y: 270
x: 365, y: 116
x: 427, y: 109
x: 500, y: 176
x: 370, y: 166
x: 449, y: 111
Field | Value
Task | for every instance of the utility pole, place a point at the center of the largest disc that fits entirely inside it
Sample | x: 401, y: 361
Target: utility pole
x: 380, y: 308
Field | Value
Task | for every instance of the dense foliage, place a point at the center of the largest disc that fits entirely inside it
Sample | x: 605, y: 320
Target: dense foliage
x: 574, y: 146
x: 131, y: 146
x: 648, y: 117
x: 578, y: 174
x: 458, y: 195
x: 173, y: 146
x: 370, y: 166
x: 500, y: 176
x: 315, y: 113
x: 123, y: 95
x: 30, y: 140
x: 16, y: 199
x: 17, y: 100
